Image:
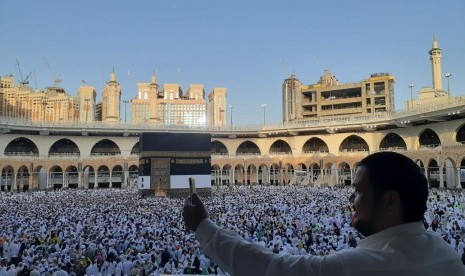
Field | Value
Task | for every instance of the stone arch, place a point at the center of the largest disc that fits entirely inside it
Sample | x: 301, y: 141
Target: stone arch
x: 433, y: 174
x: 288, y: 173
x: 315, y: 145
x: 133, y: 173
x: 450, y: 173
x: 218, y: 148
x: 71, y: 177
x: 392, y: 141
x: 248, y: 148
x: 117, y: 177
x: 263, y: 174
x: 21, y: 146
x: 252, y: 174
x: 301, y: 167
x: 460, y: 134
x: 315, y: 171
x: 275, y: 174
x: 227, y: 174
x: 216, y: 174
x: 135, y: 149
x: 344, y: 174
x: 39, y: 178
x: 23, y: 178
x: 353, y: 143
x: 239, y: 174
x: 429, y: 139
x: 57, y: 177
x: 64, y: 147
x: 462, y: 173
x: 105, y: 147
x: 329, y: 174
x: 280, y: 147
x: 103, y: 177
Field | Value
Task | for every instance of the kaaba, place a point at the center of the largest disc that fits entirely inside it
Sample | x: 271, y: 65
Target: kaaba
x: 168, y: 160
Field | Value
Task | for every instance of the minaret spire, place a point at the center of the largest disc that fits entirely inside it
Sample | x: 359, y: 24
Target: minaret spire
x: 113, y: 75
x: 435, y: 55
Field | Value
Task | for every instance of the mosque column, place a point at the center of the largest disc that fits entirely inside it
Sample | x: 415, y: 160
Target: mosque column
x: 1, y: 182
x: 47, y: 180
x: 95, y: 179
x: 232, y: 174
x: 126, y: 177
x: 65, y: 179
x: 14, y: 186
x: 459, y: 184
x: 269, y: 175
x: 30, y: 181
x: 351, y: 176
x: 426, y: 176
x: 80, y: 179
x: 111, y: 180
x: 337, y: 177
x: 441, y: 177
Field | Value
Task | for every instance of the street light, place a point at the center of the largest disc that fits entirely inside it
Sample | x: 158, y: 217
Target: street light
x: 448, y: 75
x: 411, y: 94
x: 264, y: 113
x: 231, y: 113
x: 125, y: 102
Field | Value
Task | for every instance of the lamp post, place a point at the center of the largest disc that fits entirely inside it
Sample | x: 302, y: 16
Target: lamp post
x: 125, y: 102
x: 411, y: 94
x: 264, y: 113
x: 231, y: 113
x: 448, y: 75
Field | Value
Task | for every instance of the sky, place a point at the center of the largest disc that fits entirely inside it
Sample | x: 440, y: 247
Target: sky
x: 249, y: 47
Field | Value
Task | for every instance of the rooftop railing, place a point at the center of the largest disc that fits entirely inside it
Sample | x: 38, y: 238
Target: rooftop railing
x: 330, y: 121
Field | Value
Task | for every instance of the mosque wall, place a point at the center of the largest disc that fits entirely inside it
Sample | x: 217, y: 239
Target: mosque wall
x: 94, y: 159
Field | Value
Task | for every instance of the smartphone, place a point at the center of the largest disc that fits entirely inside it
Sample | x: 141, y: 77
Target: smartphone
x: 192, y: 186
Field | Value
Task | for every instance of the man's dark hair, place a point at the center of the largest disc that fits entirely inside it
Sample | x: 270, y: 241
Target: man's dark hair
x: 393, y: 171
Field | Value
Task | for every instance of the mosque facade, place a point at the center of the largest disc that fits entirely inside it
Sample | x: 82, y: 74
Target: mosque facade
x: 311, y: 150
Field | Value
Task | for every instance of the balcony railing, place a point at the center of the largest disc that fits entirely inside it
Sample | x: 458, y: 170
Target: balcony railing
x: 305, y: 123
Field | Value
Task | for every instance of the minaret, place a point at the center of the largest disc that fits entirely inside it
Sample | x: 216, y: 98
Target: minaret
x: 111, y: 100
x: 435, y: 57
x: 153, y: 98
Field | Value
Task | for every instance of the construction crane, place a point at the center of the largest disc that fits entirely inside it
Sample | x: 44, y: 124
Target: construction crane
x: 22, y: 81
x: 56, y: 80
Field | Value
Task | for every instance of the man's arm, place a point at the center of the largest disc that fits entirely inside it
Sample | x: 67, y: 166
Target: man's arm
x: 238, y: 257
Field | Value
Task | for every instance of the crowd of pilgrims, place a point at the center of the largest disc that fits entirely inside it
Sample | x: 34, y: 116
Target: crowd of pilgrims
x: 118, y: 232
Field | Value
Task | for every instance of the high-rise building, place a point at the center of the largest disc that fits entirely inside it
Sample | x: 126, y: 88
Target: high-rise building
x: 50, y: 105
x: 292, y: 98
x: 217, y: 107
x: 176, y: 109
x: 87, y: 97
x: 144, y: 107
x: 328, y: 98
x: 111, y: 98
x: 151, y: 105
x: 169, y: 106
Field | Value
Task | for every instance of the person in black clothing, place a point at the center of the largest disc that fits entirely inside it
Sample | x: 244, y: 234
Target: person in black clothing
x: 165, y: 257
x: 196, y: 265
